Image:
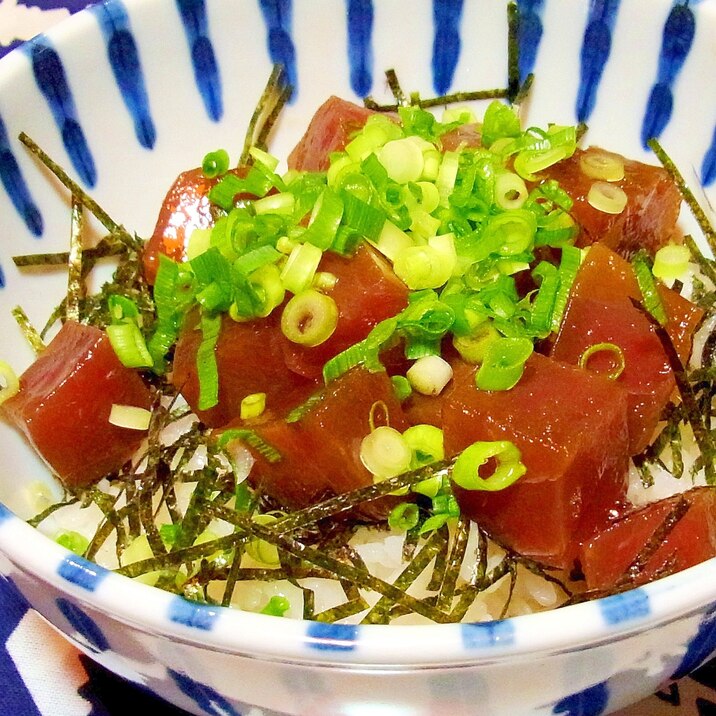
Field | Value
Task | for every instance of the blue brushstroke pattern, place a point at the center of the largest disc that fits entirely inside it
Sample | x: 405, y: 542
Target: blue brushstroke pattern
x: 479, y: 635
x: 124, y: 60
x: 16, y: 188
x: 700, y: 647
x: 203, y: 59
x: 529, y: 34
x: 596, y: 47
x: 678, y: 37
x: 84, y: 625
x: 360, y: 49
x: 590, y: 702
x: 205, y: 697
x: 52, y: 82
x: 331, y: 637
x: 192, y: 614
x: 446, y: 42
x: 277, y: 16
x: 625, y: 607
x: 708, y: 167
x: 81, y: 572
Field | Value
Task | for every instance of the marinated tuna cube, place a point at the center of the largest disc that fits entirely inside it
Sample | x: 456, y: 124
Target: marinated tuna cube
x: 649, y: 218
x: 332, y: 127
x: 249, y: 358
x: 320, y: 452
x: 571, y: 429
x: 64, y: 405
x: 600, y: 311
x: 658, y: 539
x: 366, y: 292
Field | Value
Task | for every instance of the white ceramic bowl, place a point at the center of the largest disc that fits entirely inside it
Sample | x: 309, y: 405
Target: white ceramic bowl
x: 128, y: 94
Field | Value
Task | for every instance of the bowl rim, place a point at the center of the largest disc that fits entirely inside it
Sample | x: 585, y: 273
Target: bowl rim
x: 391, y: 647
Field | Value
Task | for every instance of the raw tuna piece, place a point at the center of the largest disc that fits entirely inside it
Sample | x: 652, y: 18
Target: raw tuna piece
x: 65, y: 400
x: 367, y: 292
x: 600, y: 311
x: 608, y: 557
x: 571, y: 429
x: 321, y: 451
x: 649, y: 219
x: 332, y: 127
x: 249, y: 359
x: 186, y: 207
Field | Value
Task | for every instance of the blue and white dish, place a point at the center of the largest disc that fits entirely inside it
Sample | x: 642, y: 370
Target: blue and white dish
x: 127, y: 94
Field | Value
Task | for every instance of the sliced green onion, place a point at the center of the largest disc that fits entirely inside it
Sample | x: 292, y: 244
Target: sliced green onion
x: 447, y: 175
x: 73, y: 541
x: 608, y: 198
x: 392, y: 241
x: 362, y: 217
x: 648, y: 287
x: 510, y: 233
x: 277, y: 606
x: 671, y: 262
x: 9, y: 382
x: 128, y: 343
x: 402, y: 159
x: 267, y: 286
x: 222, y: 194
x: 300, y: 268
x: 426, y: 442
x: 430, y: 266
x: 215, y: 163
x: 472, y: 347
x: 309, y: 318
x: 325, y: 220
x: 510, y: 191
x: 262, y: 157
x: 324, y: 281
x: 384, y: 452
x: 504, y: 363
x: 601, y: 165
x: 618, y: 358
x: 429, y: 375
x: 500, y: 121
x: 568, y: 268
x: 259, y: 549
x: 130, y: 416
x: 199, y: 242
x: 508, y: 466
x: 252, y: 406
x: 401, y: 387
x: 206, y: 367
x: 282, y: 203
x: 404, y: 517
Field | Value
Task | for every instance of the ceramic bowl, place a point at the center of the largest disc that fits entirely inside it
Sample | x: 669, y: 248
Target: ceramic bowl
x: 127, y: 94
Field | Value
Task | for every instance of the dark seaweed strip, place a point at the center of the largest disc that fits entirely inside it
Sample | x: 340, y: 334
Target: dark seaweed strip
x: 233, y: 576
x: 677, y: 459
x: 441, y: 562
x: 348, y: 500
x: 104, y: 248
x: 703, y: 437
x: 182, y: 556
x: 643, y: 466
x: 272, y: 90
x: 704, y: 375
x: 395, y: 87
x: 524, y: 90
x: 434, y: 545
x: 510, y: 592
x: 410, y: 544
x: 28, y: 330
x: 688, y: 196
x: 75, y: 284
x: 273, y: 115
x: 116, y: 229
x: 42, y: 516
x: 455, y: 97
x: 341, y: 611
x: 706, y: 265
x: 513, y: 51
x: 454, y: 562
x: 345, y: 571
x: 113, y: 519
x: 134, y: 523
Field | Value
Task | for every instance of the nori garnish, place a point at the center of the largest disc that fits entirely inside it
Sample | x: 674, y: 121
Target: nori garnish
x: 28, y: 330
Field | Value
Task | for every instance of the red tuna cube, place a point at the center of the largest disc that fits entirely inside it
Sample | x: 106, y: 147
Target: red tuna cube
x: 65, y: 400
x: 320, y: 453
x: 600, y: 311
x: 332, y: 127
x: 617, y: 553
x: 570, y: 427
x: 649, y: 218
x: 249, y: 357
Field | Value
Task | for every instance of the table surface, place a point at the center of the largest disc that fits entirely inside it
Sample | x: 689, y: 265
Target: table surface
x: 43, y: 675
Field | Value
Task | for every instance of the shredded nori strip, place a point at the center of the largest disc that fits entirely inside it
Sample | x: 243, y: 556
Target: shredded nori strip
x: 688, y: 196
x: 75, y: 284
x: 77, y: 191
x: 513, y: 51
x: 706, y: 266
x: 454, y: 563
x: 28, y: 330
x: 341, y: 611
x: 702, y: 435
x: 42, y: 516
